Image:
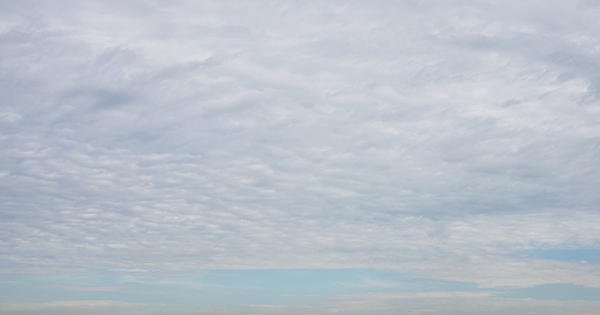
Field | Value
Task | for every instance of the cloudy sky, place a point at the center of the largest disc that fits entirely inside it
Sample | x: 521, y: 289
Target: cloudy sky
x: 299, y: 157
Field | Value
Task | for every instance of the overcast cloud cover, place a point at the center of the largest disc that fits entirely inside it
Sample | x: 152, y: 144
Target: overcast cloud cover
x: 149, y: 141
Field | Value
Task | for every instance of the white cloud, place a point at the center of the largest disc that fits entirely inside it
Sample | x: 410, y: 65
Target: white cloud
x: 442, y: 305
x: 14, y: 307
x: 433, y: 138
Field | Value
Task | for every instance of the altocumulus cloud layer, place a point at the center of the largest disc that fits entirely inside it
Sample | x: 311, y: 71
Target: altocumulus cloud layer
x: 440, y: 139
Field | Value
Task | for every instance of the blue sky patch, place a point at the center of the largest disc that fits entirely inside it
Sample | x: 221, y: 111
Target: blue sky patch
x: 222, y: 287
x: 247, y: 287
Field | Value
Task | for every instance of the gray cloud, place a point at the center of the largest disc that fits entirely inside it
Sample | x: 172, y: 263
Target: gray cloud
x: 433, y: 138
x: 416, y: 304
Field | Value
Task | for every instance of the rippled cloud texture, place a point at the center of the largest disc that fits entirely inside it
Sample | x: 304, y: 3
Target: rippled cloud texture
x: 149, y: 141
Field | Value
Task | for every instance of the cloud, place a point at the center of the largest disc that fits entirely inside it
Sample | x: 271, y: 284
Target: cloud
x: 467, y: 304
x: 66, y: 305
x: 434, y: 138
x: 96, y: 288
x: 421, y: 295
x: 474, y: 305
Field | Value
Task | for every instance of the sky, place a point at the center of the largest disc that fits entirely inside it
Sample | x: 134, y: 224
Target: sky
x: 299, y: 157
